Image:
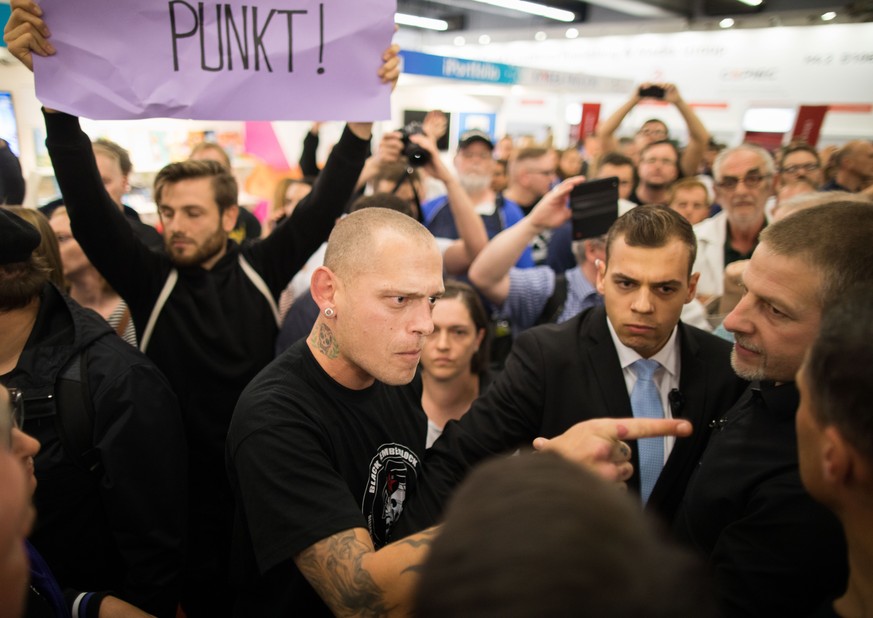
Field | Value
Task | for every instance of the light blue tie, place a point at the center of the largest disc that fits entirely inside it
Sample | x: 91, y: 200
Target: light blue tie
x: 646, y: 403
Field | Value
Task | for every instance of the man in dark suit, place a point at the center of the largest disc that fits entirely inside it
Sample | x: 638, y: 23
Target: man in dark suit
x: 585, y: 368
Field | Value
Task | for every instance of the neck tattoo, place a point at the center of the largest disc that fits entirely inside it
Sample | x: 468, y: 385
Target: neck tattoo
x: 323, y: 340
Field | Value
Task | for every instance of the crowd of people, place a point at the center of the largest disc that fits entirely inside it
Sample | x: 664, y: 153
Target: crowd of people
x: 414, y: 389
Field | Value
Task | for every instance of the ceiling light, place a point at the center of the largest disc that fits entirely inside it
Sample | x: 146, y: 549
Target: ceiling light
x: 460, y: 41
x: 752, y: 2
x: 727, y: 22
x: 828, y: 16
x: 484, y: 39
x: 637, y: 8
x: 532, y: 8
x: 571, y: 33
x: 540, y: 36
x: 420, y: 22
x: 769, y: 119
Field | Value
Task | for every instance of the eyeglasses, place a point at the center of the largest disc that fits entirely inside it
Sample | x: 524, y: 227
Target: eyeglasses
x: 16, y: 402
x: 16, y: 413
x: 796, y: 169
x: 752, y: 180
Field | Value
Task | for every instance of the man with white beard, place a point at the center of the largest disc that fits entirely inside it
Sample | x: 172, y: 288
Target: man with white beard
x: 474, y: 164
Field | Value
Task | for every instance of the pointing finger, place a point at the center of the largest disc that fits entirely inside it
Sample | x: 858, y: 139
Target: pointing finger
x: 636, y: 428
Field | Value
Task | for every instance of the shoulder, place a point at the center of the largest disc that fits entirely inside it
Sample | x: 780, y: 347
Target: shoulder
x: 429, y: 208
x: 703, y: 341
x: 511, y: 211
x: 286, y: 390
x: 710, y: 229
x: 114, y: 363
x: 286, y: 373
x: 563, y: 338
x: 705, y: 355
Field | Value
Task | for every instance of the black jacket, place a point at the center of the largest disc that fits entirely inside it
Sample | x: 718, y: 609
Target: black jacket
x: 560, y: 374
x: 772, y: 549
x: 121, y: 528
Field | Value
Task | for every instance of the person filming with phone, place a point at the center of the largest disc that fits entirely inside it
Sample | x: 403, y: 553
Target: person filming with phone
x: 529, y: 296
x: 654, y: 130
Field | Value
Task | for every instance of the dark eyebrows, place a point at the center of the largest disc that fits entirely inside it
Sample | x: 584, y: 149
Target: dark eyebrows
x: 656, y: 284
x: 623, y: 277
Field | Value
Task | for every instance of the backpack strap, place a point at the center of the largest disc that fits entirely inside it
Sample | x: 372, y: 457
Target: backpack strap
x: 74, y: 415
x: 556, y: 302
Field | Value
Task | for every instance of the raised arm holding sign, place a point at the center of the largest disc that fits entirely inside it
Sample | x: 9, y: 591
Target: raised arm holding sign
x: 205, y: 310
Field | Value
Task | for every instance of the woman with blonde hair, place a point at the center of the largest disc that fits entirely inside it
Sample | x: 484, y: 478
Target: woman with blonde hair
x: 87, y: 286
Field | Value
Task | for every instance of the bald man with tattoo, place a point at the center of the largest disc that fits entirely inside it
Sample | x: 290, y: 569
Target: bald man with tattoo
x: 327, y: 442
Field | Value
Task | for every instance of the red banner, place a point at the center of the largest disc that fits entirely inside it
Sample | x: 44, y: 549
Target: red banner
x: 808, y: 124
x: 590, y: 117
x: 770, y: 142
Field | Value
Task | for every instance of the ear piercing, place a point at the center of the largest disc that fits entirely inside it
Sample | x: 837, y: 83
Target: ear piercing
x: 328, y: 312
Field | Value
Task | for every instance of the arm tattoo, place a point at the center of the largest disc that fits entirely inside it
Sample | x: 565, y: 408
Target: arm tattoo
x: 333, y: 567
x: 323, y: 340
x: 423, y: 539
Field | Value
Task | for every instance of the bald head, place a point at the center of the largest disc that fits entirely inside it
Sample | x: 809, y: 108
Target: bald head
x: 355, y: 239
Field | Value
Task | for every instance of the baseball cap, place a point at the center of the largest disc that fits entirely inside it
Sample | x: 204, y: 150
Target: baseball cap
x: 475, y: 135
x: 18, y: 238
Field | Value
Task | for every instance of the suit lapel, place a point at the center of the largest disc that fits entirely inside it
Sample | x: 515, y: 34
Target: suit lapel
x: 610, y: 379
x: 604, y: 361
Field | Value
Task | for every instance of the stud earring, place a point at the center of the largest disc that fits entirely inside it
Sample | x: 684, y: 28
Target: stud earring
x: 328, y: 312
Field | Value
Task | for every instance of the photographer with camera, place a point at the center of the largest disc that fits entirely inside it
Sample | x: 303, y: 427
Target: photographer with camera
x: 474, y: 164
x: 654, y: 130
x: 414, y: 147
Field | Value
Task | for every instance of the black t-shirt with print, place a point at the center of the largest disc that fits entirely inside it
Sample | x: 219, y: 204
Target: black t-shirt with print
x: 308, y: 458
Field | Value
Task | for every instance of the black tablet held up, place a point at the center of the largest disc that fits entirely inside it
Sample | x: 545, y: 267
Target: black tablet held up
x: 595, y: 207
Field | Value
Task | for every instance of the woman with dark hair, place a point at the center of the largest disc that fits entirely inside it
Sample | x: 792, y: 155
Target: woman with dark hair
x: 454, y: 361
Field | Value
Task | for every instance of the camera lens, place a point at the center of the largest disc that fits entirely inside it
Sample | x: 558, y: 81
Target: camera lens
x: 416, y: 155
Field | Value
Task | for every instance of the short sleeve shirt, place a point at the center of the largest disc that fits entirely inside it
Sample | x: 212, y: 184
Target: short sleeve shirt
x: 308, y: 458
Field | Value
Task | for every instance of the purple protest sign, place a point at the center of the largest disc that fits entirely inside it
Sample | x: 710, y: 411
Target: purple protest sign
x: 231, y: 60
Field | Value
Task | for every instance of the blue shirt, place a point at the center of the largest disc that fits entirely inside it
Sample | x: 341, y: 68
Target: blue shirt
x: 531, y: 288
x: 439, y: 220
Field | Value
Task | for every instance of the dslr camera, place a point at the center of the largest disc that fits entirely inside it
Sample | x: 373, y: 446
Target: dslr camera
x: 416, y: 155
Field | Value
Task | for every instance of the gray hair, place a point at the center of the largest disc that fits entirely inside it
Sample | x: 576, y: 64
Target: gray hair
x: 769, y: 164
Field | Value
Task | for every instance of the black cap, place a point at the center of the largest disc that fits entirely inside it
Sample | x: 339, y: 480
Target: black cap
x: 475, y: 135
x: 18, y: 238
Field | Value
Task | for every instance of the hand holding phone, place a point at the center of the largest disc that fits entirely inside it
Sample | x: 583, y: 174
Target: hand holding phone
x: 652, y: 91
x: 595, y: 207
